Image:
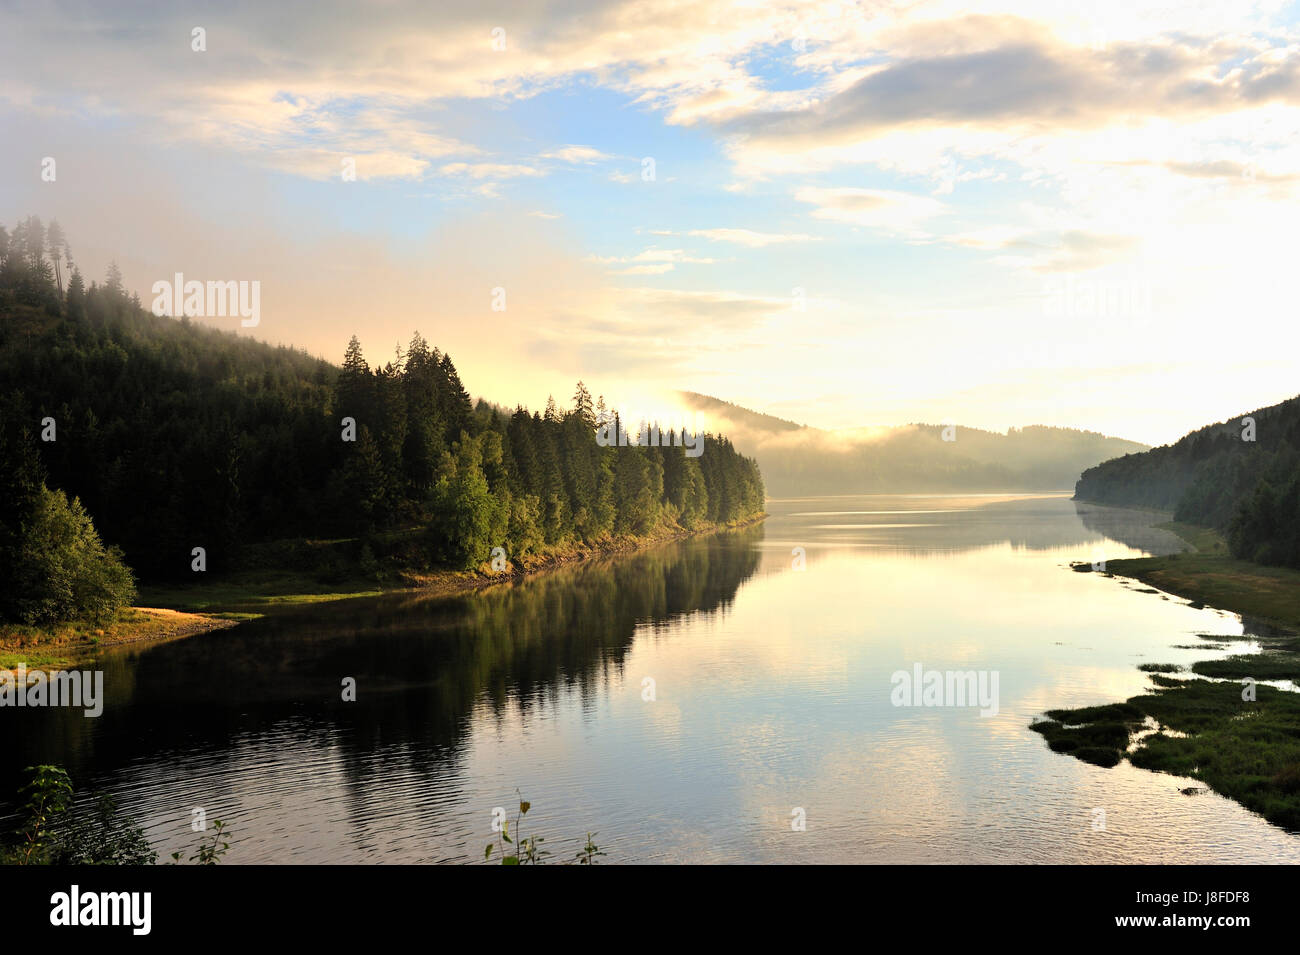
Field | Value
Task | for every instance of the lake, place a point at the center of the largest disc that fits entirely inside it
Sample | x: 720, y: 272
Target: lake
x: 689, y: 703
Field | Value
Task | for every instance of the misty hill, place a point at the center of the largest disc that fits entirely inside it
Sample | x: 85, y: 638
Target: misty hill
x: 755, y: 421
x: 1241, y: 479
x: 798, y: 460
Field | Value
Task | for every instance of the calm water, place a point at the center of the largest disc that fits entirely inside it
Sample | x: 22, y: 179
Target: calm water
x: 772, y: 691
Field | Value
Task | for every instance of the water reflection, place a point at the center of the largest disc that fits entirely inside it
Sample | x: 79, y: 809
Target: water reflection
x: 422, y: 666
x: 772, y: 694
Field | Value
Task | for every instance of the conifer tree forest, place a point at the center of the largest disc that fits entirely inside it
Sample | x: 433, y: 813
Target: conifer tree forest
x: 1240, y: 476
x: 169, y: 435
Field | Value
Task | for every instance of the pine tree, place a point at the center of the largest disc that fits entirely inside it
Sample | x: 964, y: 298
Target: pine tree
x: 57, y: 242
x: 425, y: 427
x: 455, y: 403
x: 76, y: 296
x: 582, y: 406
x: 354, y: 392
x: 364, y: 484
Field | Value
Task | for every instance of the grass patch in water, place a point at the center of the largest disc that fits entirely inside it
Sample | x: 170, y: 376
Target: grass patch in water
x: 1109, y: 712
x: 1256, y: 666
x: 1246, y: 750
x: 1101, y: 743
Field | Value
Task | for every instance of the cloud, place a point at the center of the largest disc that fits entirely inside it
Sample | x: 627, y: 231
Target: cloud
x: 1002, y: 71
x: 999, y: 87
x: 652, y: 261
x: 657, y: 269
x: 489, y: 174
x: 487, y: 170
x: 1048, y: 251
x: 577, y: 154
x: 874, y: 208
x: 747, y: 237
x: 301, y: 89
x: 302, y: 76
x: 1222, y: 169
x: 715, y: 310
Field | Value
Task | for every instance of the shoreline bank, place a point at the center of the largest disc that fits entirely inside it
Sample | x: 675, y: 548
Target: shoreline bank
x: 178, y: 612
x: 64, y: 645
x: 1208, y: 574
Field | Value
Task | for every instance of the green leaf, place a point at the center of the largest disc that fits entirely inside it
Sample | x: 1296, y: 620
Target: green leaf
x: 525, y: 806
x: 488, y: 851
x: 510, y: 860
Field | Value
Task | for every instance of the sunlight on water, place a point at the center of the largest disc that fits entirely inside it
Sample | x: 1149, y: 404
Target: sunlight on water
x: 772, y: 695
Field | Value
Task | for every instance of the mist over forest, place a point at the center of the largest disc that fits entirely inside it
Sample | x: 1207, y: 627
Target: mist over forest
x: 797, y: 459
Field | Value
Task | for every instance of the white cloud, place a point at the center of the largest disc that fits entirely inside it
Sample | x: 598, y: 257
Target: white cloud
x: 652, y: 261
x: 747, y: 237
x: 488, y: 170
x: 883, y: 209
x: 576, y: 154
x: 658, y: 269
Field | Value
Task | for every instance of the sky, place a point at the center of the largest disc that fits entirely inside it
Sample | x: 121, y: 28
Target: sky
x: 845, y: 214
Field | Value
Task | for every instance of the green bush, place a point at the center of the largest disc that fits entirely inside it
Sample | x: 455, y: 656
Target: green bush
x: 63, y: 571
x: 53, y: 832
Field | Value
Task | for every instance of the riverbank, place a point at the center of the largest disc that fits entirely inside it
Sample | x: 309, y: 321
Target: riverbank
x: 220, y: 602
x: 1216, y: 724
x: 1208, y: 574
x: 64, y: 645
x: 253, y: 591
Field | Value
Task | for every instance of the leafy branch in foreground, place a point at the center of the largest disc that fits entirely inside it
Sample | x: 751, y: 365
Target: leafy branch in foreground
x: 53, y: 832
x: 209, y: 852
x: 527, y: 850
x: 48, y: 794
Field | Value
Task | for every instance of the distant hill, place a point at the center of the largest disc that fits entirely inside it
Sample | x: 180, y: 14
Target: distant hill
x: 799, y: 460
x: 725, y: 410
x: 1217, y: 477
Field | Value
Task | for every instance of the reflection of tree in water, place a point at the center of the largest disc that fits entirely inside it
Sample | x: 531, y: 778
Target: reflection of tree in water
x: 1267, y: 632
x: 421, y: 665
x: 571, y: 627
x: 1132, y: 527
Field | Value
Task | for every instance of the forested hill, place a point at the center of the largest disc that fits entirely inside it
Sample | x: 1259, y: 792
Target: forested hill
x: 176, y: 436
x: 798, y: 460
x: 1241, y: 476
x: 735, y: 414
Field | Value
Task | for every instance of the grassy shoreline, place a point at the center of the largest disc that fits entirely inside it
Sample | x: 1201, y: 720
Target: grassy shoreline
x: 1208, y: 574
x: 223, y: 601
x: 1240, y: 739
x: 64, y: 645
